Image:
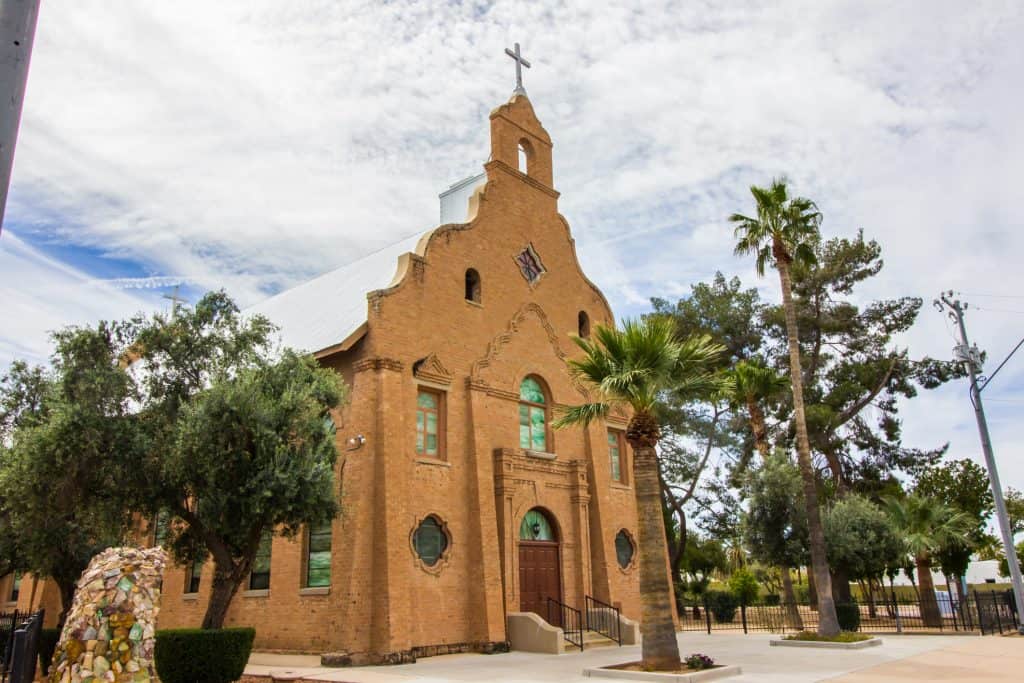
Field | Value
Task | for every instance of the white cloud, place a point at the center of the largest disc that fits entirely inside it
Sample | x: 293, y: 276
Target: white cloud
x: 249, y: 145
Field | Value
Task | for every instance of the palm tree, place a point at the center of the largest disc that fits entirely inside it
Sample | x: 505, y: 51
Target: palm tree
x: 748, y: 384
x: 926, y: 525
x: 632, y: 368
x: 784, y: 232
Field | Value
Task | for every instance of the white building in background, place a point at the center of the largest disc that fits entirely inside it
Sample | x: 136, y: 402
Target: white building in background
x: 978, y: 571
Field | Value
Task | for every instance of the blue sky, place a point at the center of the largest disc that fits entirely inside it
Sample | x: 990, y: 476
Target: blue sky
x: 251, y: 145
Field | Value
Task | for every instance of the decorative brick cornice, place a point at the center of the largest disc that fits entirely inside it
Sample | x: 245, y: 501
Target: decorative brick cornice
x: 431, y: 369
x: 519, y: 175
x: 378, y: 364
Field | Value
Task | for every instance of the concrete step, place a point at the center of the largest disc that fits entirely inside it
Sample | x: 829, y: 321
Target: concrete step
x: 594, y: 639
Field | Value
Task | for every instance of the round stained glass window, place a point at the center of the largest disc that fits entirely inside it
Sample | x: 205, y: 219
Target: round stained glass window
x: 624, y: 549
x: 430, y: 541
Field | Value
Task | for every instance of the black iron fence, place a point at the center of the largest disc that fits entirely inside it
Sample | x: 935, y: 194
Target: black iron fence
x: 19, y: 645
x: 994, y: 612
x: 569, y: 619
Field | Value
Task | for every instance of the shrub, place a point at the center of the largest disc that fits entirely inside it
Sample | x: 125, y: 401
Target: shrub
x: 848, y: 614
x: 698, y: 661
x: 772, y: 599
x: 188, y: 655
x: 48, y: 639
x: 722, y: 605
x: 744, y: 586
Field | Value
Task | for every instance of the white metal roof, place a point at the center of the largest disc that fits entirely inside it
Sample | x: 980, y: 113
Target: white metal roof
x: 329, y: 309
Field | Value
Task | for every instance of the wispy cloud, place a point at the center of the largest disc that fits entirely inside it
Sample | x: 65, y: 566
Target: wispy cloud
x: 253, y: 144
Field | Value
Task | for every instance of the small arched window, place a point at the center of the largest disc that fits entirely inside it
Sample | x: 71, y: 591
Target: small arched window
x: 524, y: 158
x: 473, y: 286
x: 536, y: 527
x: 583, y: 323
x: 533, y: 416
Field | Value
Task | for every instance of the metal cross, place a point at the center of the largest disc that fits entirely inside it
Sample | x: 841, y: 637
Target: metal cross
x: 175, y: 300
x: 520, y: 63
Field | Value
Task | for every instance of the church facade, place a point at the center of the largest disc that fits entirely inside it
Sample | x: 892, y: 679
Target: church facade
x: 461, y: 505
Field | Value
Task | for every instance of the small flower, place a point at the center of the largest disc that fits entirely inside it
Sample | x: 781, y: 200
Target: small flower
x: 698, y: 661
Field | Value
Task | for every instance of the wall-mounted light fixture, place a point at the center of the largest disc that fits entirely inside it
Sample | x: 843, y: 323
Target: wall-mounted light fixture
x: 356, y: 442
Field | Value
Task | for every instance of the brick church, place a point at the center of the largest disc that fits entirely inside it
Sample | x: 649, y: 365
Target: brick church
x: 462, y: 507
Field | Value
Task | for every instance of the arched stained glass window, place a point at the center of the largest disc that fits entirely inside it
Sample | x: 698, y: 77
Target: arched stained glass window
x: 533, y: 414
x: 430, y: 541
x: 624, y: 549
x: 536, y: 527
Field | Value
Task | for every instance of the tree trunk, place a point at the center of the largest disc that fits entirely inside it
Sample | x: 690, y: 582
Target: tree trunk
x: 757, y: 426
x: 812, y: 591
x: 930, y: 614
x: 828, y: 623
x: 67, y: 596
x: 660, y: 650
x: 872, y: 610
x: 792, y: 612
x: 841, y: 586
x: 222, y: 591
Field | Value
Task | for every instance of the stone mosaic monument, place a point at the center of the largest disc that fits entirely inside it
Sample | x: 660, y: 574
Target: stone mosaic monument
x: 110, y: 631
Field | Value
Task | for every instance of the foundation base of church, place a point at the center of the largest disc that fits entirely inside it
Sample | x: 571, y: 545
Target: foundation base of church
x: 344, y: 659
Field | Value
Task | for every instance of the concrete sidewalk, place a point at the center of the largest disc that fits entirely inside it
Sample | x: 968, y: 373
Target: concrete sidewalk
x: 900, y: 658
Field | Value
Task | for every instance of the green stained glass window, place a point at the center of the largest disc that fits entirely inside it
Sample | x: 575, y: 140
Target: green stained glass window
x: 318, y: 557
x: 614, y: 452
x: 259, y: 576
x: 430, y: 541
x: 536, y: 527
x: 530, y: 391
x: 532, y: 416
x: 428, y: 423
x: 624, y: 549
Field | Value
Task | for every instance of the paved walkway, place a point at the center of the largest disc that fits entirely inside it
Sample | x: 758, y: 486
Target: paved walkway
x: 900, y: 658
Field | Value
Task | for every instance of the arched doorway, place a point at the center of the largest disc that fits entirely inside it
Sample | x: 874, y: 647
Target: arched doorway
x: 540, y: 575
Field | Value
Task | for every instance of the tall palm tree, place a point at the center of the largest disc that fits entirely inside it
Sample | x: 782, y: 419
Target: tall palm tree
x: 632, y: 368
x: 749, y: 384
x: 783, y: 232
x: 925, y: 525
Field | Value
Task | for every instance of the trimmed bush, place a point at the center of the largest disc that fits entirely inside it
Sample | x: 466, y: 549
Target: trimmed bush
x: 48, y: 639
x: 848, y: 614
x: 187, y: 655
x: 722, y: 605
x: 772, y: 599
x: 744, y: 586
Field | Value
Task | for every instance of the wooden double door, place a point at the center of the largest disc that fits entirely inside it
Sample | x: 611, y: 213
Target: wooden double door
x: 540, y: 578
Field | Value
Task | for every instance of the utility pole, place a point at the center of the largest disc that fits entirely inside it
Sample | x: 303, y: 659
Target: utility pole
x: 971, y: 358
x: 17, y: 31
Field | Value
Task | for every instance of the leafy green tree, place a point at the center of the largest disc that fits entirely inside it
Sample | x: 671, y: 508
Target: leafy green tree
x: 1004, y: 566
x: 702, y: 557
x: 861, y: 539
x: 1015, y: 509
x: 240, y: 440
x: 963, y: 485
x: 783, y: 233
x: 854, y: 375
x: 67, y: 437
x: 632, y: 368
x: 775, y: 524
x: 744, y: 585
x: 695, y: 427
x: 925, y: 525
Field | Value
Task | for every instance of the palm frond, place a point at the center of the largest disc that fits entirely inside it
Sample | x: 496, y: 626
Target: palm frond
x: 581, y: 415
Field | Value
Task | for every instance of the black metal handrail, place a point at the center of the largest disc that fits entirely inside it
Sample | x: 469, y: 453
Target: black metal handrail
x: 604, y: 619
x: 569, y: 619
